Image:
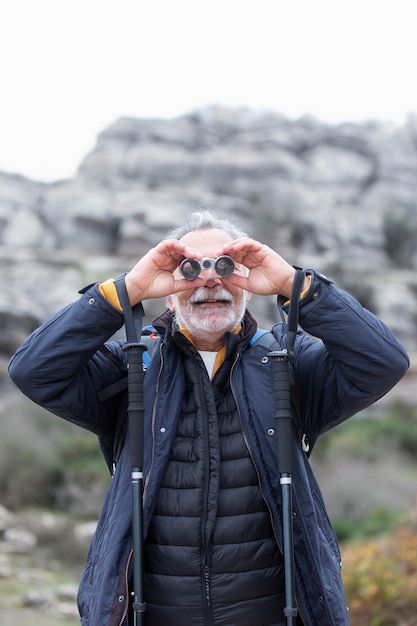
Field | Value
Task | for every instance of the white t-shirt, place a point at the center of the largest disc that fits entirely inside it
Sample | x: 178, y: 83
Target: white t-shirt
x: 209, y: 359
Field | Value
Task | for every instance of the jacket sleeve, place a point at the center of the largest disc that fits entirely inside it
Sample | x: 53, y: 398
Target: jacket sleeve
x: 356, y: 361
x: 60, y: 368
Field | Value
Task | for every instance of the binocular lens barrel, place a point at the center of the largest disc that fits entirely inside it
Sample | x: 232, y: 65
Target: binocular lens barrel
x: 191, y: 268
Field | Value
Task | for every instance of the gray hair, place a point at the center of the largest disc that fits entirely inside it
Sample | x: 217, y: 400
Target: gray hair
x: 204, y: 220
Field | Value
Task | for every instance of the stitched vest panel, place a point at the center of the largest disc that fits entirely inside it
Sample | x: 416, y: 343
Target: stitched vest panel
x: 210, y: 555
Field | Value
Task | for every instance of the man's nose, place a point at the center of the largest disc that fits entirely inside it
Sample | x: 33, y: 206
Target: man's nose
x: 211, y: 277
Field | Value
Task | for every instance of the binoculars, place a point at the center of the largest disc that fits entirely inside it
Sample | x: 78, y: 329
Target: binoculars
x: 191, y: 268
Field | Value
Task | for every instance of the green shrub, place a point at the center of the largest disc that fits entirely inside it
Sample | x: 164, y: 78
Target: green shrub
x: 29, y: 477
x: 344, y: 528
x: 58, y: 476
x: 378, y: 522
x: 82, y: 459
x: 365, y: 435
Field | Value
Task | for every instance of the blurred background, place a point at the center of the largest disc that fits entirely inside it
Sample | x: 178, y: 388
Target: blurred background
x: 117, y: 120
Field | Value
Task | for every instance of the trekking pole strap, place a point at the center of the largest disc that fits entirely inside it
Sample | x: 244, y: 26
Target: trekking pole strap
x: 135, y: 373
x: 294, y: 309
x: 132, y: 315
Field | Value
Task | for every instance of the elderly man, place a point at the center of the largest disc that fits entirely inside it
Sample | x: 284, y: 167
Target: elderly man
x: 211, y: 501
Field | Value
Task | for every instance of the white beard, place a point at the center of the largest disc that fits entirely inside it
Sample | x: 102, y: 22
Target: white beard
x: 203, y: 322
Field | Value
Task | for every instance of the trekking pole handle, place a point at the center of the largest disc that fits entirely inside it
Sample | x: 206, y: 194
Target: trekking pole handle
x: 136, y: 407
x: 283, y: 418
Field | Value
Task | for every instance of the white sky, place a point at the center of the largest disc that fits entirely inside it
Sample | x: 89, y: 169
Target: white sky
x: 69, y: 68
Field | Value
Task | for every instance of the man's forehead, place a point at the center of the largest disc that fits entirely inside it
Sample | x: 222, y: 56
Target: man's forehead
x: 206, y: 240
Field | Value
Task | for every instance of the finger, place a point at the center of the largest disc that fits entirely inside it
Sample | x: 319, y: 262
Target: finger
x: 179, y: 250
x: 240, y: 247
x: 182, y: 284
x: 168, y: 254
x: 237, y: 280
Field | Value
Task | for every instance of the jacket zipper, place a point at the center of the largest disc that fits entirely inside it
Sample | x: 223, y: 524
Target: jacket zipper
x: 245, y: 439
x: 207, y: 584
x: 125, y: 610
x: 205, y: 545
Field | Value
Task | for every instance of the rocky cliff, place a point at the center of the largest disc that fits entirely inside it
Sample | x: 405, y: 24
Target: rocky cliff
x: 342, y: 199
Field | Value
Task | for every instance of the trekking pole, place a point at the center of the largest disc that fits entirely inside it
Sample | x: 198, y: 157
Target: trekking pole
x: 135, y: 412
x: 283, y: 426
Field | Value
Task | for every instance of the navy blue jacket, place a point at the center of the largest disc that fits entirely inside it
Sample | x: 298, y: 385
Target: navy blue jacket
x: 356, y: 362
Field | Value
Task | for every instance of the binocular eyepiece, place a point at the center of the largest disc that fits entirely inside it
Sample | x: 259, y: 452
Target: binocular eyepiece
x: 191, y: 268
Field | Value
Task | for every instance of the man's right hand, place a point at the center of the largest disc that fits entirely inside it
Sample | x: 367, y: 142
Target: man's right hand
x: 154, y: 275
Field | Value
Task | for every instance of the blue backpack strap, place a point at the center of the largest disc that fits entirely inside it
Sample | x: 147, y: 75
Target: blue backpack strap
x: 258, y: 335
x: 149, y: 337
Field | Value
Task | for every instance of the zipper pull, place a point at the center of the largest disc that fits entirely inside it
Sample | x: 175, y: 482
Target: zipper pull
x: 207, y: 584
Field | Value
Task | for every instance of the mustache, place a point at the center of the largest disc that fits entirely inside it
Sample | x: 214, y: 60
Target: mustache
x: 202, y: 294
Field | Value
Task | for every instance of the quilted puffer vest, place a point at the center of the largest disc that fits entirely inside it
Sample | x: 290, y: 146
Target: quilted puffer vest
x: 210, y: 555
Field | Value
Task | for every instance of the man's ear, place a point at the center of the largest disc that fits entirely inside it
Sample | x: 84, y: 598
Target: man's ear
x: 248, y: 296
x: 170, y: 304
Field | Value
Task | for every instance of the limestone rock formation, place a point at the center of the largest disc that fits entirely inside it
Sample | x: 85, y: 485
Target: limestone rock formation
x: 340, y: 198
